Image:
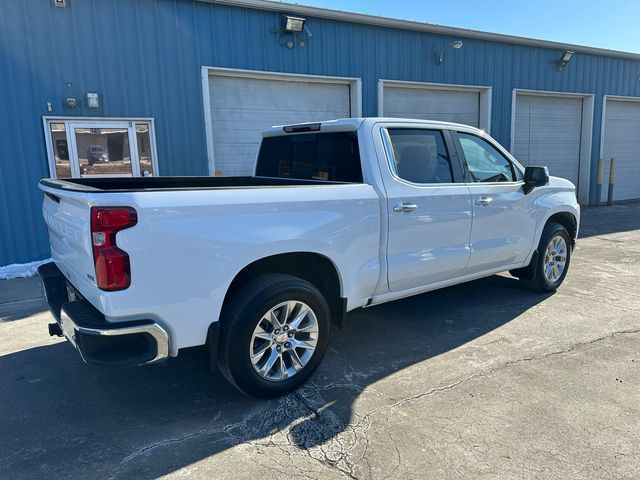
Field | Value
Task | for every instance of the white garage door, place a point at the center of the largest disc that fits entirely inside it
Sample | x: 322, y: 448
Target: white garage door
x: 622, y: 142
x: 241, y: 108
x: 548, y: 132
x: 460, y: 106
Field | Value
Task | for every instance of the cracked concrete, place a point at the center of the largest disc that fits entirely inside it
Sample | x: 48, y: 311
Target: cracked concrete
x: 479, y: 380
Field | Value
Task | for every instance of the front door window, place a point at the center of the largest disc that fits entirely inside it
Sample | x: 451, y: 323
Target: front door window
x: 484, y: 162
x: 101, y: 148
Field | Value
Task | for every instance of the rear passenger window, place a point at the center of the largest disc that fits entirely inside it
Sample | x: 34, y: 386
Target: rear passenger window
x: 332, y: 156
x: 420, y: 156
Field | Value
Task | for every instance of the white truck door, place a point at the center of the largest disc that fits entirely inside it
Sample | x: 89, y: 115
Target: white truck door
x: 504, y: 218
x: 429, y: 207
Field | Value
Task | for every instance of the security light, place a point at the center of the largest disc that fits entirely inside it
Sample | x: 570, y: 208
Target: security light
x: 293, y: 32
x: 456, y: 44
x: 566, y: 57
x: 293, y: 24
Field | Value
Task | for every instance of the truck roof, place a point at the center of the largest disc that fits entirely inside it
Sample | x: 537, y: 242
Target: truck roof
x: 346, y: 124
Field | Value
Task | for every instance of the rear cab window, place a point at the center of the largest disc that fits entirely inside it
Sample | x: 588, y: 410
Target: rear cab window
x: 322, y: 156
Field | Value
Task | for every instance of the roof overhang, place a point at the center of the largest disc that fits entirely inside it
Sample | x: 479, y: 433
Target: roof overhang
x: 418, y: 26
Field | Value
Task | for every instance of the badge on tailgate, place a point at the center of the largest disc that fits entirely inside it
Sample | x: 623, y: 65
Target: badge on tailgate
x: 62, y: 227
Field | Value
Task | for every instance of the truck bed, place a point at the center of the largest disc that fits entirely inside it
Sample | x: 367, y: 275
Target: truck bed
x: 192, y: 236
x: 136, y: 184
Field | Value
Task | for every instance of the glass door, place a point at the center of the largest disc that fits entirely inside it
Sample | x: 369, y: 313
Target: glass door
x: 106, y: 148
x: 102, y: 149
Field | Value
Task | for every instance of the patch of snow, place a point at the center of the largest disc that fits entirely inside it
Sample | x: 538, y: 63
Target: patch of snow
x: 19, y: 270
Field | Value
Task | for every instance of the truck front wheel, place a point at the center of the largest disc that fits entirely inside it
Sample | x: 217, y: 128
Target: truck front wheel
x: 274, y: 333
x: 550, y: 266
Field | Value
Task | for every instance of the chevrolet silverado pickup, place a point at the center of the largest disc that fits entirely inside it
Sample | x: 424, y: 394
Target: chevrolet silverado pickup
x: 338, y: 215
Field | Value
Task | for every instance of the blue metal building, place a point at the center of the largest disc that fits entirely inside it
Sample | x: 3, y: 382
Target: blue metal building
x: 182, y: 87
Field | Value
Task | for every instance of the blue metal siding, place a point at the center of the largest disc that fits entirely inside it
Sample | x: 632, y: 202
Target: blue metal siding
x: 143, y: 57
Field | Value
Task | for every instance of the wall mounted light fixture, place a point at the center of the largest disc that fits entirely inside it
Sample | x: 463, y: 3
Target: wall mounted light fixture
x: 566, y: 57
x: 457, y: 44
x: 294, y: 31
x: 293, y: 24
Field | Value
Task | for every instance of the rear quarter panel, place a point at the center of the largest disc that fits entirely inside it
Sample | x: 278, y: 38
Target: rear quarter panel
x: 189, y: 245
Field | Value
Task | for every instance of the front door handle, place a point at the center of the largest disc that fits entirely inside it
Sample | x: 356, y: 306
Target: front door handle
x: 484, y: 201
x: 404, y: 207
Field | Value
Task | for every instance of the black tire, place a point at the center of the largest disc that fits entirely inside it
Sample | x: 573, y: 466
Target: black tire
x: 533, y: 276
x: 241, y: 315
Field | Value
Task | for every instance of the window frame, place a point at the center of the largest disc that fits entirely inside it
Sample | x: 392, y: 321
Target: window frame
x: 104, y: 122
x: 513, y: 163
x: 456, y: 166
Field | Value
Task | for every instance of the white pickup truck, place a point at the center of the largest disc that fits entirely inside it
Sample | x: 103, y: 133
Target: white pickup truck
x: 339, y: 215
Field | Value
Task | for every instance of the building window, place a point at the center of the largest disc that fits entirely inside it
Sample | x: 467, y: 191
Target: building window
x: 60, y: 147
x: 145, y: 154
x: 81, y: 147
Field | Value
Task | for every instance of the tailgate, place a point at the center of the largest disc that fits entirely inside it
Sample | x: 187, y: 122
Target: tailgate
x: 67, y: 215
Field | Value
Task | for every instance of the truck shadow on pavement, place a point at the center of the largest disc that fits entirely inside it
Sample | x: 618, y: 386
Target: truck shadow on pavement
x: 62, y: 419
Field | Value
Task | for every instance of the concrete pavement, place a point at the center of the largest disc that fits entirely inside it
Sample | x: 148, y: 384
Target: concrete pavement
x: 484, y: 380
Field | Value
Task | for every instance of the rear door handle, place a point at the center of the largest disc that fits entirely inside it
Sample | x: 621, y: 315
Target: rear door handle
x: 405, y: 207
x: 484, y: 201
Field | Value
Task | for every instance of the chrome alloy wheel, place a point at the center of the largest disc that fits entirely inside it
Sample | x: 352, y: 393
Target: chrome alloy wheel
x: 284, y: 340
x: 555, y: 258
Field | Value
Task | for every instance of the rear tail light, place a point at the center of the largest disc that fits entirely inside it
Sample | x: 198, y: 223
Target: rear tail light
x: 113, y: 271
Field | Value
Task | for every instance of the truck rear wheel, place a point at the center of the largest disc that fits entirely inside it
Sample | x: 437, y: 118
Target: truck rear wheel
x: 274, y: 332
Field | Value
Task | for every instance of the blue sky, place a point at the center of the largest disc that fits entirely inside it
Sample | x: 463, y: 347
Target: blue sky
x: 613, y: 24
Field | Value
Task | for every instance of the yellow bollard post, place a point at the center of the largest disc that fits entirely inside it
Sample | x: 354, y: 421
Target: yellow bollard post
x: 599, y: 182
x: 612, y: 171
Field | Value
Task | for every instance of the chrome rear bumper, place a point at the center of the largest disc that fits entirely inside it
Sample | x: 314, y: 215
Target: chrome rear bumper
x: 99, y: 342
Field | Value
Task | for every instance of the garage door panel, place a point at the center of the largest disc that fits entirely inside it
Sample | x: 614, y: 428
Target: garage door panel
x: 241, y: 108
x: 255, y: 115
x: 432, y: 104
x: 548, y: 132
x: 259, y: 93
x: 622, y: 142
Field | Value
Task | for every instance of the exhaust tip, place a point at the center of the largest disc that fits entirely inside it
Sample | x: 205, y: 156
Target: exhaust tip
x: 55, y: 330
